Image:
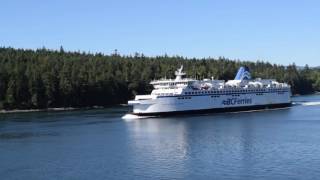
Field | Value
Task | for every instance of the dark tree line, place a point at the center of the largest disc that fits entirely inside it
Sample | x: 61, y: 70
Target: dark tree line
x: 45, y: 78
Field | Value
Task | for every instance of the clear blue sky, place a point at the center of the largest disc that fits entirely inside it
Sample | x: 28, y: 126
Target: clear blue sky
x: 278, y: 31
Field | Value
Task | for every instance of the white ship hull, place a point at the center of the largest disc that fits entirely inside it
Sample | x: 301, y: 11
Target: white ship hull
x: 183, y: 95
x: 210, y: 102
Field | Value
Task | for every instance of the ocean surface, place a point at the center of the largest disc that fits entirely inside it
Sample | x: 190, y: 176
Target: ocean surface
x: 98, y: 144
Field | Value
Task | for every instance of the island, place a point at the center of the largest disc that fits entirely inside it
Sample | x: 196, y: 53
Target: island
x: 54, y: 79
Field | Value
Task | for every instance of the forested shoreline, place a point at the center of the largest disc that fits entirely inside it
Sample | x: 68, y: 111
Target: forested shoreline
x: 42, y: 78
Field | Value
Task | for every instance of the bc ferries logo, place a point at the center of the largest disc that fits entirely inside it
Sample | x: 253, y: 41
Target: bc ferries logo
x: 236, y: 101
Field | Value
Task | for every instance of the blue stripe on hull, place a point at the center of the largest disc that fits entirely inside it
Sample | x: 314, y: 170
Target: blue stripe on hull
x: 216, y: 110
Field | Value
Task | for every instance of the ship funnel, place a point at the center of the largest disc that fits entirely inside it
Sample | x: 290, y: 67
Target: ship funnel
x: 243, y: 73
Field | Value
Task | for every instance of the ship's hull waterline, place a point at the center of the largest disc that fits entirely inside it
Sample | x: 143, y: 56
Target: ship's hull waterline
x: 217, y: 110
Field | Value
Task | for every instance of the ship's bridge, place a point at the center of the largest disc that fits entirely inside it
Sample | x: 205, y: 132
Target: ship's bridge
x: 169, y: 87
x: 171, y: 83
x: 178, y: 82
x: 172, y: 86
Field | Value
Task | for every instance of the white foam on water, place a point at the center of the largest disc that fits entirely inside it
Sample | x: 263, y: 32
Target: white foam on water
x: 316, y: 103
x: 129, y: 117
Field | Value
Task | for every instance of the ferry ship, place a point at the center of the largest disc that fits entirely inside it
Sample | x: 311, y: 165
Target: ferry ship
x: 186, y: 95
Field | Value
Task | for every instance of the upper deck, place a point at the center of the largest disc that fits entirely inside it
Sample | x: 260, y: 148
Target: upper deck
x: 241, y: 84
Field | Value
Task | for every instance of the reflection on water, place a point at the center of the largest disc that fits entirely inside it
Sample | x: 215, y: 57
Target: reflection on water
x: 98, y: 144
x: 163, y: 144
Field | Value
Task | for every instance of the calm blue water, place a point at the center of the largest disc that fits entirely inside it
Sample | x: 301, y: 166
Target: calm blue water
x: 98, y: 144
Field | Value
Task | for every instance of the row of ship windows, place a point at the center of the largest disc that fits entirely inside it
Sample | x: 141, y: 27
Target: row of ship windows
x: 168, y: 88
x: 187, y: 97
x: 260, y: 94
x: 204, y: 92
x: 164, y: 94
x: 216, y: 96
x: 171, y: 84
x: 210, y: 92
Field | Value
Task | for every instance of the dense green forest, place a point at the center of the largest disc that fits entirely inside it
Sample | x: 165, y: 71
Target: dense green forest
x: 47, y: 78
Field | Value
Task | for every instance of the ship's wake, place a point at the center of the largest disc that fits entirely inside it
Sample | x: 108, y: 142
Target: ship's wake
x: 307, y: 103
x: 129, y: 117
